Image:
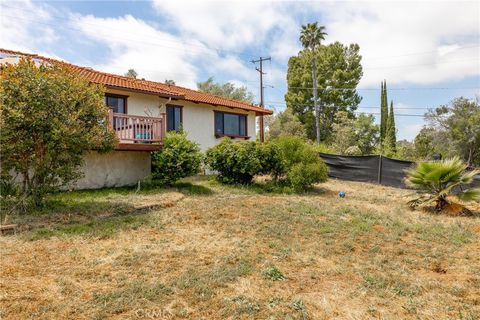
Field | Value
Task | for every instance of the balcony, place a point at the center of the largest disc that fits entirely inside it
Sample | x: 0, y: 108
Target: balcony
x: 138, y: 133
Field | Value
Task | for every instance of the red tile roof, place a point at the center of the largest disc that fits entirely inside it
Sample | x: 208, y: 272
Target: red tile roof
x: 148, y: 87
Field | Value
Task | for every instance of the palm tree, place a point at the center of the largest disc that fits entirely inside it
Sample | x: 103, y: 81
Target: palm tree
x: 435, y: 180
x: 311, y: 37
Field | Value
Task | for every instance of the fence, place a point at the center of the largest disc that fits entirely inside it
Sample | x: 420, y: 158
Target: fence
x: 378, y: 169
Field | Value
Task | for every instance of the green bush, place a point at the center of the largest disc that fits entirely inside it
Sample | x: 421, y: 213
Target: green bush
x: 271, y: 160
x: 289, y: 160
x: 179, y: 158
x: 235, y: 162
x: 302, y: 165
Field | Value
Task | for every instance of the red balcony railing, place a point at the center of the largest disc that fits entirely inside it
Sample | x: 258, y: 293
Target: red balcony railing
x: 137, y: 129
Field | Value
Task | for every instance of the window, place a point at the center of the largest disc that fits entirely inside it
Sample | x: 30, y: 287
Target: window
x: 230, y: 124
x: 116, y: 102
x: 174, y: 118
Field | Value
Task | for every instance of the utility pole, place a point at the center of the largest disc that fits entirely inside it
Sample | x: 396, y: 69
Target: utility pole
x: 260, y: 70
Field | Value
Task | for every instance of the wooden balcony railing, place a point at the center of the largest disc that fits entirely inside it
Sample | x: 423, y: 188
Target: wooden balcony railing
x: 137, y: 129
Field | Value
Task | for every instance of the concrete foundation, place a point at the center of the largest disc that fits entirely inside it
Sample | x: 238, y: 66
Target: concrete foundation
x: 114, y: 169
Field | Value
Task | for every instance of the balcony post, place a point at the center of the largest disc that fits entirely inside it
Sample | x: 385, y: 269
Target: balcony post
x: 163, y: 126
x: 110, y: 118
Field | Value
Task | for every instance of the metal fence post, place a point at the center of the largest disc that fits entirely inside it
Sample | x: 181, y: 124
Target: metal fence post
x: 380, y: 170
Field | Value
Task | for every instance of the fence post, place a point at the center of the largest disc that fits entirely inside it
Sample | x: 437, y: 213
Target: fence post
x: 379, y: 180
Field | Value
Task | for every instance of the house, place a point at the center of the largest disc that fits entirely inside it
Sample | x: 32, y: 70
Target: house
x: 141, y: 111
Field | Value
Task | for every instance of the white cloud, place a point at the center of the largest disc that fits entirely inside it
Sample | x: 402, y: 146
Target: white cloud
x: 154, y: 54
x: 25, y: 26
x: 409, y: 42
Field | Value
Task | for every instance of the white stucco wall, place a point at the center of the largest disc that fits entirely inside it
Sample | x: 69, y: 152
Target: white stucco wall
x: 198, y: 119
x: 114, y: 169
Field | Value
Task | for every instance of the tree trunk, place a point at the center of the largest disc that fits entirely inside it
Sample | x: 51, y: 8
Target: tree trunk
x: 441, y: 204
x: 315, y: 97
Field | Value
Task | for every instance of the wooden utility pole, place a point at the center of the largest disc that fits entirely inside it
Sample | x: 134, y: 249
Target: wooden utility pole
x: 260, y: 70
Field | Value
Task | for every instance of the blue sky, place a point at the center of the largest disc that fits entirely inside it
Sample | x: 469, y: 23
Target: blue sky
x: 429, y: 52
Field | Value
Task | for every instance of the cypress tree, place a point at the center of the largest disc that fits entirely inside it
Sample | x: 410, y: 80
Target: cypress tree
x: 383, y: 111
x: 390, y: 143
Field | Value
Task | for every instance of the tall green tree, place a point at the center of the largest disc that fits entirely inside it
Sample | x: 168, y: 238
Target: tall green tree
x: 383, y: 111
x: 311, y: 37
x: 50, y: 118
x: 227, y: 90
x: 390, y: 142
x: 340, y: 74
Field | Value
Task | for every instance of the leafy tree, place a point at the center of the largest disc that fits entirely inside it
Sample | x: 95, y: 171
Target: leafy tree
x: 170, y: 82
x: 340, y: 74
x: 354, y: 136
x: 311, y: 37
x: 227, y: 90
x: 426, y: 143
x: 131, y: 73
x: 286, y: 123
x: 390, y: 142
x: 434, y: 181
x: 383, y: 111
x: 459, y: 122
x: 50, y: 118
x: 179, y: 158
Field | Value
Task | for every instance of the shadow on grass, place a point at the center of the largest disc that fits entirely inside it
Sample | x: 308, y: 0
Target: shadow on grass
x: 269, y: 187
x: 68, y: 217
x: 99, y: 213
x: 189, y: 188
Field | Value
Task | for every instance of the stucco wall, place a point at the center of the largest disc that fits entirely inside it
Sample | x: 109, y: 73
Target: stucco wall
x: 198, y: 119
x: 114, y: 169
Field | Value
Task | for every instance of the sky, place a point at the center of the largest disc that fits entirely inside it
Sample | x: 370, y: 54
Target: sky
x: 427, y: 51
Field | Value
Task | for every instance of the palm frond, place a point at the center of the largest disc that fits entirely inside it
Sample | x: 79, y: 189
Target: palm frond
x: 469, y: 194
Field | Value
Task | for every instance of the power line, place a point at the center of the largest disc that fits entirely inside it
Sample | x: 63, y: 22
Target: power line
x: 218, y: 50
x: 360, y: 107
x: 377, y: 89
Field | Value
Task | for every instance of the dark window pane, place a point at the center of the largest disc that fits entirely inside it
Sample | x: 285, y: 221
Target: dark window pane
x: 243, y: 125
x: 174, y: 118
x: 178, y: 118
x: 117, y: 104
x: 231, y: 124
x: 218, y: 123
x: 170, y: 119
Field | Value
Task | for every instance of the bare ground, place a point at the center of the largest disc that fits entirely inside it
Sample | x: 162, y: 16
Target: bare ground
x: 231, y: 253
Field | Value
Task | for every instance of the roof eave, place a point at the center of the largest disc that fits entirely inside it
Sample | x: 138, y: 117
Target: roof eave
x: 158, y: 94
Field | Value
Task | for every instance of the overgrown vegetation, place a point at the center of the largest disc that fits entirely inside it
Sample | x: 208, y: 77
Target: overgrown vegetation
x: 50, y: 119
x: 178, y: 158
x: 435, y: 181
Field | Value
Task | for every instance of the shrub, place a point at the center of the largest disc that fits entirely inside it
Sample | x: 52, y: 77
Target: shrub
x: 271, y: 161
x: 436, y: 179
x: 179, y: 158
x: 50, y: 119
x: 235, y: 162
x: 287, y: 158
x: 302, y: 165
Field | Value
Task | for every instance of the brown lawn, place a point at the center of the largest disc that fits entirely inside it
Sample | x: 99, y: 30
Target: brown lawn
x: 233, y: 253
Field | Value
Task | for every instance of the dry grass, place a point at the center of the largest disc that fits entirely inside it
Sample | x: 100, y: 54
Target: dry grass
x: 231, y: 253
